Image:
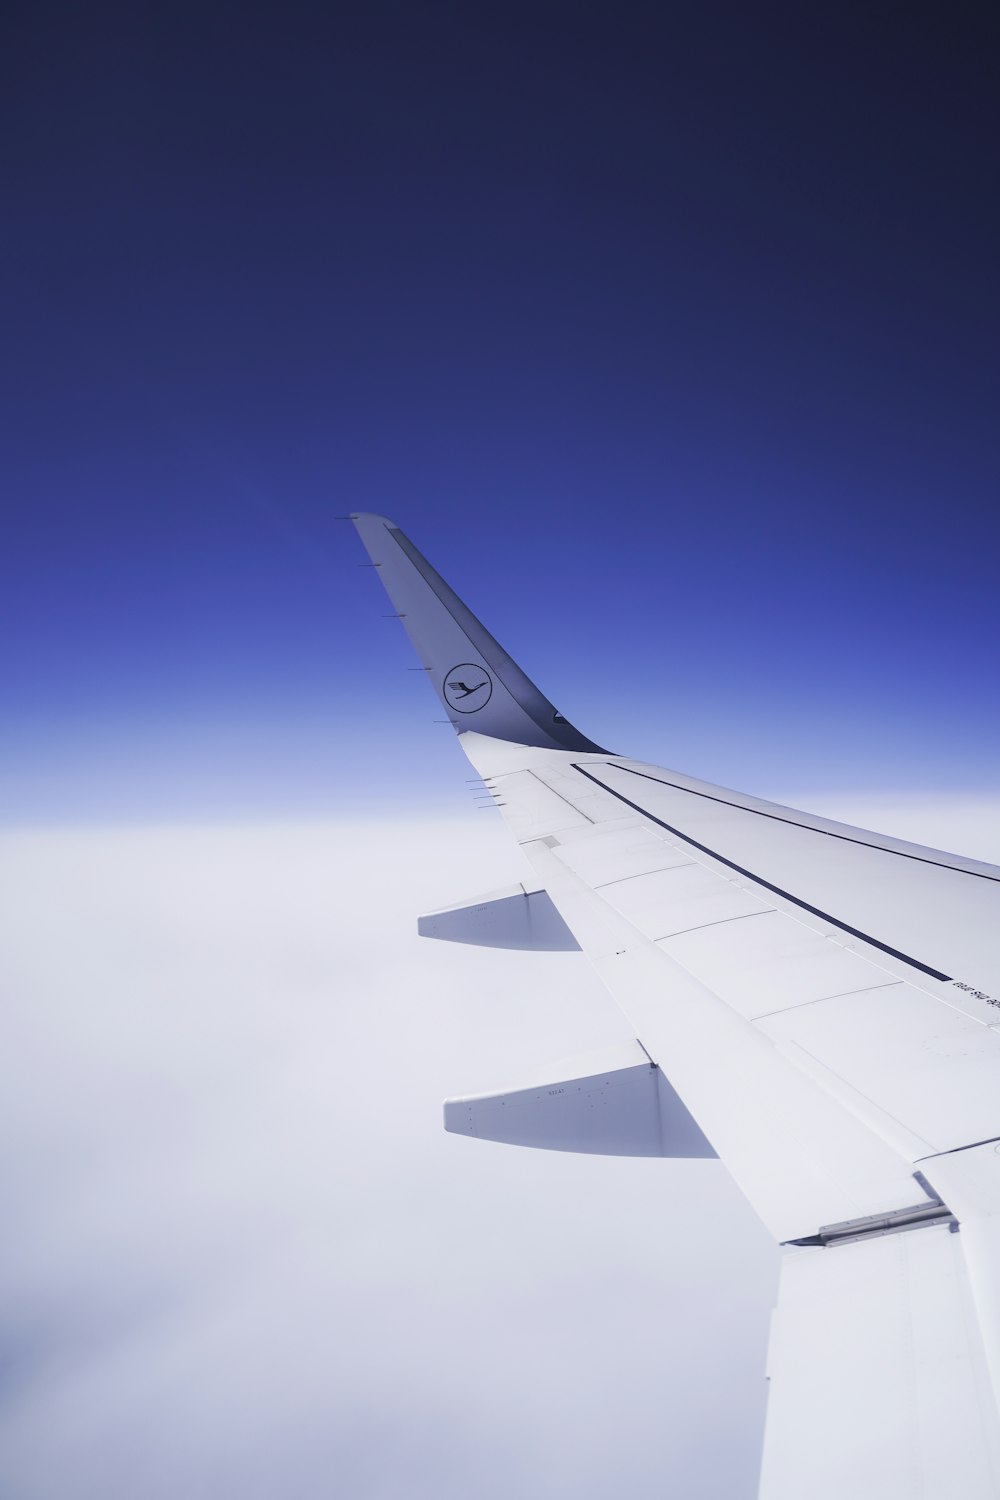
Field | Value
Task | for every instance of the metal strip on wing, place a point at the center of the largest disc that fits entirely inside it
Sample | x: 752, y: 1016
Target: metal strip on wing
x: 759, y: 880
x: 759, y: 812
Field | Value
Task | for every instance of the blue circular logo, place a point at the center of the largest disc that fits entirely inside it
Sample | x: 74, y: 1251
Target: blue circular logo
x: 468, y: 688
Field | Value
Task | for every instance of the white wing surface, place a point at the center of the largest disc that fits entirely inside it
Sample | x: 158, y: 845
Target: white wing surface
x: 822, y: 1004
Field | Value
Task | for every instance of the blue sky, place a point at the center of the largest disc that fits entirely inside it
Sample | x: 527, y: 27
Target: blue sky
x: 669, y: 335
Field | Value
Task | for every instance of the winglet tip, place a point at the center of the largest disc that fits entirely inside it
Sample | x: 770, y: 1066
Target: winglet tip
x: 371, y: 518
x: 451, y: 643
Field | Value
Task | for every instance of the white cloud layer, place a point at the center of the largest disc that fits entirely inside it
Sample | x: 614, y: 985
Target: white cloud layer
x: 241, y: 1257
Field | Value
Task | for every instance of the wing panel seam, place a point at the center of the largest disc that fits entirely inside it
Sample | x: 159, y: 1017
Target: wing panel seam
x: 816, y: 911
x: 864, y: 989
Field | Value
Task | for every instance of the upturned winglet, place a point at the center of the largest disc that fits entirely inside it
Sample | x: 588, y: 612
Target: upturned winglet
x: 480, y: 686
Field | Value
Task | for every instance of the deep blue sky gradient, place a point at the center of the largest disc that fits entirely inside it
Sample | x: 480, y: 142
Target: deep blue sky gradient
x: 669, y: 333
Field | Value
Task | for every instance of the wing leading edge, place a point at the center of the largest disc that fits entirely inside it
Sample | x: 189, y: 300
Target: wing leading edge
x: 822, y: 1002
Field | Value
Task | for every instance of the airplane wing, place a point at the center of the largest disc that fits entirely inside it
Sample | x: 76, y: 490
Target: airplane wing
x: 816, y: 1004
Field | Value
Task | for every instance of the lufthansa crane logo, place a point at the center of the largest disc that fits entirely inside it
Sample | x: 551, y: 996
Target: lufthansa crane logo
x: 468, y: 688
